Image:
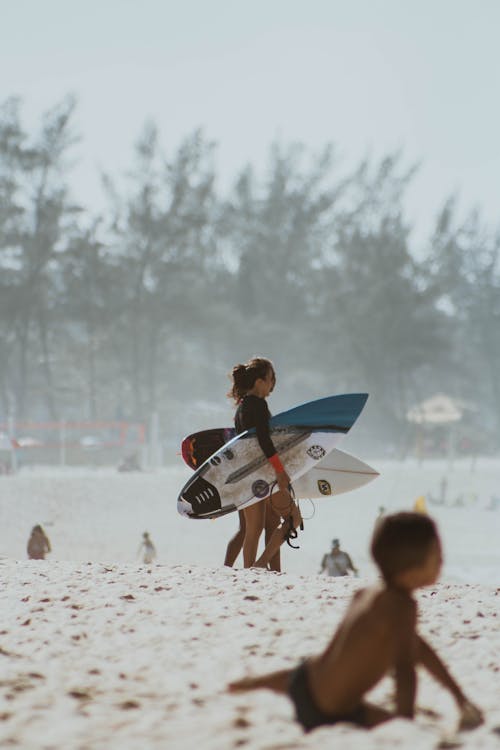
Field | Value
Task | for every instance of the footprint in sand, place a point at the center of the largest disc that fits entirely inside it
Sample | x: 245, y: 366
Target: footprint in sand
x: 241, y: 723
x: 81, y: 695
x: 129, y: 705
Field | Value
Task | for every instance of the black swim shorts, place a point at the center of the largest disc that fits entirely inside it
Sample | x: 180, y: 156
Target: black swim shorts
x: 306, y: 711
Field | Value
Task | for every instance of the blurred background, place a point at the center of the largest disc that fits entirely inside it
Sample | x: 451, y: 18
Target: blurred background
x: 185, y: 186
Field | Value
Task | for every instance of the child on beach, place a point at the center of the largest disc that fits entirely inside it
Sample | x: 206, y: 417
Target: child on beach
x: 378, y: 634
x: 252, y: 384
x: 148, y: 549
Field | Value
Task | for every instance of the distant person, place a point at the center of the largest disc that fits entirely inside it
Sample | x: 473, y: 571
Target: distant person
x: 376, y: 637
x: 494, y: 503
x: 38, y: 544
x: 443, y: 487
x: 147, y: 549
x: 130, y: 463
x: 465, y: 499
x: 420, y: 506
x: 380, y: 515
x: 337, y: 562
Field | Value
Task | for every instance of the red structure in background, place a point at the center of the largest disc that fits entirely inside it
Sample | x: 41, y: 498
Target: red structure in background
x: 72, y: 442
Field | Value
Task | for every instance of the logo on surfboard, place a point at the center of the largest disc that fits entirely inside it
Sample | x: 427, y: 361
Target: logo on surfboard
x: 324, y: 487
x: 316, y: 452
x: 260, y: 488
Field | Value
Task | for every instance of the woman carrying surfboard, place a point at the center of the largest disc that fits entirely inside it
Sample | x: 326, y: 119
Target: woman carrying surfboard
x: 252, y: 384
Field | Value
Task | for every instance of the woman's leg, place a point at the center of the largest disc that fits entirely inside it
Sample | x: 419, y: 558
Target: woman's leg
x: 235, y: 544
x: 271, y: 524
x: 283, y: 504
x: 254, y: 520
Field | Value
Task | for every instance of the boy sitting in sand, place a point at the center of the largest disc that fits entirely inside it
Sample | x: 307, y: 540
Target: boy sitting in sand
x: 377, y: 634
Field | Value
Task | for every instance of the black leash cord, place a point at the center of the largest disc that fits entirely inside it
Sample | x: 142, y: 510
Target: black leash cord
x: 291, y: 532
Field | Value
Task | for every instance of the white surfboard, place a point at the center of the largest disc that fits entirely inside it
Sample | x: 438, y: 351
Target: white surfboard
x: 335, y: 474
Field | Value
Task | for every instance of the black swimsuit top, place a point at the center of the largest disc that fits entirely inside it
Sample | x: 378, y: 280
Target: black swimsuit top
x: 253, y: 411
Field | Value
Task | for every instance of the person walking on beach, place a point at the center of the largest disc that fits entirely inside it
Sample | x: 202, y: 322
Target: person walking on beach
x: 251, y: 385
x: 147, y: 549
x: 378, y: 635
x: 38, y: 544
x: 337, y: 562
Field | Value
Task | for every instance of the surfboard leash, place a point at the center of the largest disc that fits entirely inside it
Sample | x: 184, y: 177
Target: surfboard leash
x: 310, y: 500
x: 292, y: 532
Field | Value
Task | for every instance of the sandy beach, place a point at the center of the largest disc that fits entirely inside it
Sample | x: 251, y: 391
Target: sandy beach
x: 98, y: 650
x: 127, y: 656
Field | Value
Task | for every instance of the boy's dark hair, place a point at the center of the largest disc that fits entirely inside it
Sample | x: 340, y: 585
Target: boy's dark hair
x: 244, y: 376
x: 401, y: 541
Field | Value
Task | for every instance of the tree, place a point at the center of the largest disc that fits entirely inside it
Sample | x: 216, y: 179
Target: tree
x: 278, y: 234
x: 384, y: 307
x: 12, y: 138
x: 39, y: 211
x: 164, y: 245
x: 466, y: 259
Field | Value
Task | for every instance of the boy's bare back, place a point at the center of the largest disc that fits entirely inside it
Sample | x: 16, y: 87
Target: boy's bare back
x: 374, y: 636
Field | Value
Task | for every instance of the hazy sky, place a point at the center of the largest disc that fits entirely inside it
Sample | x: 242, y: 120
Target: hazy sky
x: 368, y: 75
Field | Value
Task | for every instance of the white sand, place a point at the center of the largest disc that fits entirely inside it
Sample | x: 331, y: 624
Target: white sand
x: 114, y: 656
x: 121, y: 655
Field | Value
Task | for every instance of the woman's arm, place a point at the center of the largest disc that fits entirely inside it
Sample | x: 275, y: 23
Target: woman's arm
x: 260, y: 418
x: 265, y: 441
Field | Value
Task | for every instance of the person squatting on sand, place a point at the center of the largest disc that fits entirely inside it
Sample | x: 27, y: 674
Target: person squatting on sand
x: 337, y: 562
x: 377, y: 634
x: 252, y: 384
x: 38, y: 544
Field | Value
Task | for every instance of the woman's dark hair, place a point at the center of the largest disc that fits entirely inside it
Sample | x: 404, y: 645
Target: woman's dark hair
x: 244, y: 376
x: 402, y: 541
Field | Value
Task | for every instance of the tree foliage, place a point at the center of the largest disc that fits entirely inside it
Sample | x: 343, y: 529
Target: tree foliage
x: 146, y: 306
